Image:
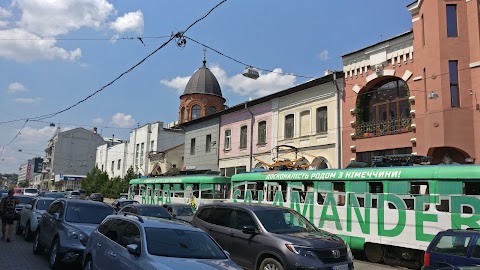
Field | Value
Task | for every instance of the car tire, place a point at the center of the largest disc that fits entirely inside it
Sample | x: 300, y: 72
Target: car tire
x: 37, y: 247
x: 88, y: 265
x: 19, y: 229
x: 270, y: 264
x: 54, y: 255
x: 27, y: 233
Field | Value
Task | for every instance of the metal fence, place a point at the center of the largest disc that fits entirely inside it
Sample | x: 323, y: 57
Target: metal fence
x: 382, y: 128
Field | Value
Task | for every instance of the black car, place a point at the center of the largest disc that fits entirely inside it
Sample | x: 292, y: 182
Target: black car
x: 120, y: 203
x: 54, y: 194
x: 180, y: 210
x: 149, y: 210
x: 269, y: 237
x: 65, y: 227
x: 96, y: 197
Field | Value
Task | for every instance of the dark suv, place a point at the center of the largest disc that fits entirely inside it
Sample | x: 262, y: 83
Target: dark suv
x: 268, y: 237
x: 453, y: 248
x: 65, y: 227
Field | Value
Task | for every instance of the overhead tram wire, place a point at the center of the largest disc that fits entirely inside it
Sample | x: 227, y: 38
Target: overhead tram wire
x: 179, y: 36
x: 16, y: 136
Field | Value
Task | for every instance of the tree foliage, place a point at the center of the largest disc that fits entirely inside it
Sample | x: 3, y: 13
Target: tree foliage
x: 98, y: 181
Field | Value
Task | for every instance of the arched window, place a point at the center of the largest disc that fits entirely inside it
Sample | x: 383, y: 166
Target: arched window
x: 243, y: 137
x: 304, y: 123
x: 289, y: 126
x: 182, y: 114
x: 211, y: 110
x: 384, y: 109
x: 262, y: 133
x: 195, y: 112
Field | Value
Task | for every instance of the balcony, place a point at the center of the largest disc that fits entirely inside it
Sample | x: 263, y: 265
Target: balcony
x: 383, y: 128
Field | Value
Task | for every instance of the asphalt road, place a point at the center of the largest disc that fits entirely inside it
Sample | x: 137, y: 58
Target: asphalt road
x: 17, y: 255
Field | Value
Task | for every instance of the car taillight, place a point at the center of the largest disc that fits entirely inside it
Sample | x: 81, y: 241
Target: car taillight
x: 426, y: 259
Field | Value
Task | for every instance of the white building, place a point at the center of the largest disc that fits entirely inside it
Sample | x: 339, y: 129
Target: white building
x: 30, y: 169
x: 150, y: 148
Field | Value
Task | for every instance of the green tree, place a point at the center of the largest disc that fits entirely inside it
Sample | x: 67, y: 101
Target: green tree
x: 95, y: 181
x: 23, y: 184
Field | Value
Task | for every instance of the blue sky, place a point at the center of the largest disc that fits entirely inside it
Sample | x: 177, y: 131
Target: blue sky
x: 87, y: 43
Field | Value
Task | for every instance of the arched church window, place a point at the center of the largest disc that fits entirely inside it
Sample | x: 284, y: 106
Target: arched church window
x: 212, y: 110
x: 195, y: 112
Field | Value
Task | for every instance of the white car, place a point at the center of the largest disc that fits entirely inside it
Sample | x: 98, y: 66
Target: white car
x: 30, y: 215
x: 30, y: 192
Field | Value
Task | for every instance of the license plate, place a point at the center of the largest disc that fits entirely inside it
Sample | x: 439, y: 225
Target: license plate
x: 340, y: 267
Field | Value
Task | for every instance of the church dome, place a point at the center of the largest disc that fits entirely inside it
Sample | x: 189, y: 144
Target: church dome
x: 203, y: 82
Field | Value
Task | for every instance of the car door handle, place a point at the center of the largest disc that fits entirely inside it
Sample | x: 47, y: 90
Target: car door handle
x: 99, y: 245
x: 112, y: 254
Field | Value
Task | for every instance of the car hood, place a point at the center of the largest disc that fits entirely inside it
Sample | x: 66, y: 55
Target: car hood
x: 315, y: 239
x: 168, y: 263
x: 86, y: 228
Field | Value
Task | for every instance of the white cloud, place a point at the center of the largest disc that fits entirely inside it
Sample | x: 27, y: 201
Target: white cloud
x: 4, y: 14
x: 16, y: 87
x: 132, y: 21
x: 266, y: 84
x: 28, y: 100
x: 23, y: 46
x: 122, y: 120
x: 324, y: 55
x: 32, y: 136
x: 58, y: 17
x: 97, y: 120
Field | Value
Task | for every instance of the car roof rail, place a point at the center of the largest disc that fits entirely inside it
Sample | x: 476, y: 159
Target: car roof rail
x: 130, y: 214
x: 473, y: 229
x: 175, y: 219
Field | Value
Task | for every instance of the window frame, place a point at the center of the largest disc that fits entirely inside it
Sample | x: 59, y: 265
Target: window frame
x: 451, y: 21
x: 208, y: 143
x: 193, y: 110
x: 243, y: 137
x: 289, y: 129
x: 227, y: 146
x: 321, y: 115
x: 454, y: 84
x: 262, y: 133
x: 210, y: 111
x: 192, y: 146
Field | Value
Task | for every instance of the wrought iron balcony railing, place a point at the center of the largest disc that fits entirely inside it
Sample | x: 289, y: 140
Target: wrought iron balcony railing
x: 382, y: 128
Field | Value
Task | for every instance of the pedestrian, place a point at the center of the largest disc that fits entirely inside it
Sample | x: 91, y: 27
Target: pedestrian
x: 8, y: 206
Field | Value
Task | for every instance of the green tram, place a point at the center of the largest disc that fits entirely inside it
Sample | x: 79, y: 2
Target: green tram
x: 392, y: 213
x: 191, y: 189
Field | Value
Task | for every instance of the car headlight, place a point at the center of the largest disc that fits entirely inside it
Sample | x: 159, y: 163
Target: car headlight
x: 76, y: 234
x: 302, y: 251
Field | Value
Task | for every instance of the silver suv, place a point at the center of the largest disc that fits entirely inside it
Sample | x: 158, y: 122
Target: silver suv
x: 128, y: 241
x: 269, y: 237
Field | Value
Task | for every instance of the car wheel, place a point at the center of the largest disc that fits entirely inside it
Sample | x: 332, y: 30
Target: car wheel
x: 37, y: 247
x: 270, y: 264
x: 27, y: 233
x: 53, y: 260
x: 88, y: 264
x: 19, y: 229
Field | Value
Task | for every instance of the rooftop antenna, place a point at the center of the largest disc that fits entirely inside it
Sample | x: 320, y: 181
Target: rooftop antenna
x: 204, y: 56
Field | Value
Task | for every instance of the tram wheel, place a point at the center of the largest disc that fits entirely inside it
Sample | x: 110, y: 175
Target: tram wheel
x: 374, y: 252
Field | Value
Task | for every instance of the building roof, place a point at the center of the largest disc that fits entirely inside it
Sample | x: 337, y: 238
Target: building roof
x: 203, y: 82
x: 383, y: 41
x: 254, y: 102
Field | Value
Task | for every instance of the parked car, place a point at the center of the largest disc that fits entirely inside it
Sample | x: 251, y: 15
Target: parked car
x: 17, y: 191
x: 96, y: 197
x: 54, y: 194
x: 120, y: 203
x: 129, y: 241
x: 269, y: 237
x: 148, y: 210
x: 24, y: 200
x: 453, y: 248
x: 180, y: 211
x: 65, y: 227
x: 83, y: 193
x: 73, y: 195
x: 30, y: 215
x: 30, y: 192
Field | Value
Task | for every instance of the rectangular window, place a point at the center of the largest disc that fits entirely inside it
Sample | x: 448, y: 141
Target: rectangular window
x: 454, y: 89
x: 228, y: 139
x: 262, y: 132
x: 289, y: 126
x: 452, y: 30
x: 113, y: 165
x: 243, y: 137
x: 322, y: 120
x: 471, y: 188
x: 119, y: 164
x: 152, y: 146
x: 142, y: 153
x: 136, y: 151
x: 208, y: 143
x: 423, y: 31
x: 304, y: 123
x: 192, y: 146
x: 339, y: 192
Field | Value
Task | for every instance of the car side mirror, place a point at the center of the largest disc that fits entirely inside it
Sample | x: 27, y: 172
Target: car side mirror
x: 133, y: 249
x: 28, y: 207
x: 56, y: 216
x: 249, y: 230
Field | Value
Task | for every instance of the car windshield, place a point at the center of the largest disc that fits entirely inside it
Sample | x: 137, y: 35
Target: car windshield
x: 74, y: 193
x: 152, y: 211
x: 43, y: 204
x: 283, y: 221
x: 184, y: 211
x: 54, y: 194
x: 182, y: 244
x: 87, y: 213
x: 30, y: 190
x: 24, y: 200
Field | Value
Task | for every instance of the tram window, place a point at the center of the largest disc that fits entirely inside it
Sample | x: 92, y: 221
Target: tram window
x: 375, y: 187
x: 321, y: 196
x: 240, y: 187
x: 419, y: 188
x: 273, y: 187
x: 471, y: 188
x: 258, y: 186
x: 222, y: 191
x: 302, y: 188
x: 391, y: 206
x: 410, y: 204
x: 339, y: 191
x: 444, y: 206
x: 361, y: 201
x: 195, y: 190
x: 466, y: 209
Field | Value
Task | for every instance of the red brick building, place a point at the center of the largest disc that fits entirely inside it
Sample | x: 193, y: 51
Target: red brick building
x: 419, y: 91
